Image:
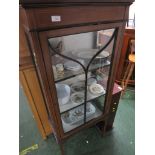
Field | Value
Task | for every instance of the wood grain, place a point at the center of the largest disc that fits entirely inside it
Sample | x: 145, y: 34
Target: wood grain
x: 32, y: 103
x: 25, y: 58
x: 40, y: 18
x: 72, y: 1
x: 77, y: 14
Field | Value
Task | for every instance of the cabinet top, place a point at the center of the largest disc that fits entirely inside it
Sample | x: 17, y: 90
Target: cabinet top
x: 39, y: 2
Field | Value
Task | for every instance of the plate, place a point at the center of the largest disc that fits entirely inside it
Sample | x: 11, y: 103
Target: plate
x: 76, y: 115
x: 73, y: 66
x: 78, y: 87
x: 77, y: 98
x: 89, y: 53
x: 82, y: 76
x: 96, y: 89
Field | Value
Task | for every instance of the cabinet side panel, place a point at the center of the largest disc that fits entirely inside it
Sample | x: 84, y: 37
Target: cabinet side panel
x: 116, y: 60
x: 42, y: 75
x: 31, y: 103
x: 33, y: 84
x: 25, y: 59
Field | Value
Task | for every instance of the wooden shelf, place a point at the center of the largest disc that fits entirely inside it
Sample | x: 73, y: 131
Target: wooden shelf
x: 68, y: 127
x: 90, y: 97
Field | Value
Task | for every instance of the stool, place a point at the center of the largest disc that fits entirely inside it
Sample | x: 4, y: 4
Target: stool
x: 129, y: 69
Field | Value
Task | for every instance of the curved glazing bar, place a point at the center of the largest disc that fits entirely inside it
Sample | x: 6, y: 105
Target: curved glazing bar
x: 66, y: 57
x: 97, y: 53
x: 113, y: 35
x: 87, y: 69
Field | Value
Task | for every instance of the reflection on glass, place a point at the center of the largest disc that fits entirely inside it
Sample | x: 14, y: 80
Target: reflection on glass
x: 81, y: 47
x: 79, y: 79
x: 97, y: 107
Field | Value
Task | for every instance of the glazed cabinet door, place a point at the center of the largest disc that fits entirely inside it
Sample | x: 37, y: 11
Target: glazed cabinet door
x: 78, y: 63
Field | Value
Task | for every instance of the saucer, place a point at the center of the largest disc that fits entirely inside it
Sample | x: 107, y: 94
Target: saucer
x: 96, y: 89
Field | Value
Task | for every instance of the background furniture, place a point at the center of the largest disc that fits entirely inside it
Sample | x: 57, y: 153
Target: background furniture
x: 49, y: 20
x: 129, y: 34
x: 130, y: 66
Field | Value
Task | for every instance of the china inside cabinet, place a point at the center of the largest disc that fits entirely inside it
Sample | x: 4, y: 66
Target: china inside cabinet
x: 76, y: 47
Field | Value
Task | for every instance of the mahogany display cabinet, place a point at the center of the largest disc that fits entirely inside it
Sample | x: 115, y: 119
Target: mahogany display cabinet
x: 76, y: 47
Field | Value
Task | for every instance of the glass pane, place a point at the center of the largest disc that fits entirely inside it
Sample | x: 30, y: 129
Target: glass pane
x: 98, y: 80
x: 78, y: 70
x: 70, y: 93
x: 94, y: 108
x: 71, y: 105
x: 97, y: 84
x: 73, y: 118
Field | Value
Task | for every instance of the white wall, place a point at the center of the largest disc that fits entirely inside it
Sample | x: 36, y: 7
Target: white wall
x: 132, y: 11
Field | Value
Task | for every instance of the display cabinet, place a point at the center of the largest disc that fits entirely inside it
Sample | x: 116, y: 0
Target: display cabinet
x: 75, y: 47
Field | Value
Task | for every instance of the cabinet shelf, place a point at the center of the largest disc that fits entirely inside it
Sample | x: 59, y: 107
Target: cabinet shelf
x: 67, y: 127
x: 70, y: 105
x: 90, y: 97
x: 70, y: 74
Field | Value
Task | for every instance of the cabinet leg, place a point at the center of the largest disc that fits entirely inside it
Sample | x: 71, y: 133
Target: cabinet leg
x: 105, y: 127
x: 62, y: 148
x: 102, y: 127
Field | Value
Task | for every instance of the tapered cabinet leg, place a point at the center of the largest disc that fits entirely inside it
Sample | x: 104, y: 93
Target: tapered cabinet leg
x: 62, y: 148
